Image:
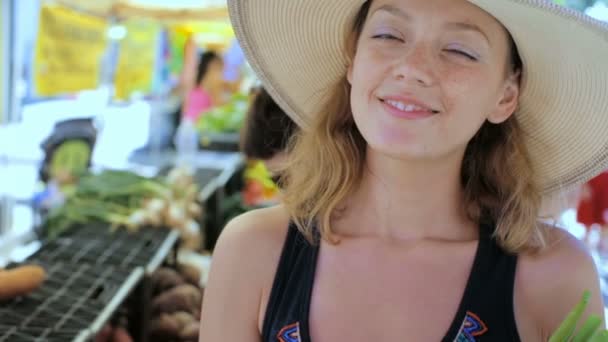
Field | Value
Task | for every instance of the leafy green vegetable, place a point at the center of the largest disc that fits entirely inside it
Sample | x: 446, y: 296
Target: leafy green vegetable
x: 124, y: 199
x: 566, y: 329
x: 600, y: 336
x: 228, y: 118
x: 588, y: 329
x: 111, y: 197
x: 589, y: 332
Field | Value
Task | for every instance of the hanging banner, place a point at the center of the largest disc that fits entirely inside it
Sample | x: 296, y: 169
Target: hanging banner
x: 69, y: 51
x: 138, y: 53
x: 178, y: 38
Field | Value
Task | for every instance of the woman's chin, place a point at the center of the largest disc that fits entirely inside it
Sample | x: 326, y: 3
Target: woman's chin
x: 405, y: 152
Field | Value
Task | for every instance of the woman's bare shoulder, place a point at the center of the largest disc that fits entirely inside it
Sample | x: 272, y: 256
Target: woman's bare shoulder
x: 551, y: 281
x: 259, y: 229
x: 256, y: 236
x: 243, y: 265
x: 565, y: 263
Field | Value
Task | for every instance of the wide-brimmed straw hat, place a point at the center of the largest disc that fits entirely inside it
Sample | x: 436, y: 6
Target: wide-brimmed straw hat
x: 296, y: 48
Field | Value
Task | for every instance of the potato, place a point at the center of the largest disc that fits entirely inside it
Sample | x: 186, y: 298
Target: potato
x: 190, y: 332
x: 183, y: 297
x: 121, y: 335
x: 183, y: 319
x: 192, y: 238
x: 170, y: 327
x: 104, y: 334
x: 165, y: 279
x: 164, y: 328
x: 190, y: 273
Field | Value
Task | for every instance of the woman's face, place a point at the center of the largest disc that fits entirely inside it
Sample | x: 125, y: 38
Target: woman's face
x: 215, y: 71
x: 427, y: 74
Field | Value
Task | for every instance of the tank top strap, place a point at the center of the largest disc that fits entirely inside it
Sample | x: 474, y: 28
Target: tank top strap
x: 288, y: 304
x: 486, y: 312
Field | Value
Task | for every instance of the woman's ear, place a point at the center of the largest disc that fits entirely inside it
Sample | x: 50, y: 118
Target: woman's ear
x: 508, y: 101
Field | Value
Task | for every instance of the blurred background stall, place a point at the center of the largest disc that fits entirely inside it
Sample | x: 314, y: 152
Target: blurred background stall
x: 128, y: 137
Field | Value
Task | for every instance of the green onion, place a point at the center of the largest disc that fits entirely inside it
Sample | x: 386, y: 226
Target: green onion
x: 566, y: 329
x: 600, y: 336
x: 589, y: 328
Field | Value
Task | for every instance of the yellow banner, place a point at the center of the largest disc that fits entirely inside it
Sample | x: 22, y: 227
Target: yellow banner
x: 69, y: 50
x: 137, y: 57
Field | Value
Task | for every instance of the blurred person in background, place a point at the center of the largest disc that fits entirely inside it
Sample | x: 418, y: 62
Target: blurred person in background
x: 592, y: 210
x: 266, y: 131
x: 264, y: 142
x: 208, y: 91
x: 593, y: 205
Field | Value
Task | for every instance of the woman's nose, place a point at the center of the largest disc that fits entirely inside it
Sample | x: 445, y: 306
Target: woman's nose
x: 416, y: 66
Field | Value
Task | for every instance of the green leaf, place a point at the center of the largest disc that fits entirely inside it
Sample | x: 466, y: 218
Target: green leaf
x: 566, y: 329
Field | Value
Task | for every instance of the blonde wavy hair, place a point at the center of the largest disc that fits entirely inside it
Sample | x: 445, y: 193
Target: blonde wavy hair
x: 497, y: 176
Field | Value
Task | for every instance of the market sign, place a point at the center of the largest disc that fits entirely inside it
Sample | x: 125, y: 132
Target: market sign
x: 137, y: 58
x: 69, y: 51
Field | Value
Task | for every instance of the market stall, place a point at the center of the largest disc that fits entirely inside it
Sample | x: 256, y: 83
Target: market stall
x: 93, y: 243
x: 112, y: 202
x: 99, y: 258
x: 90, y: 273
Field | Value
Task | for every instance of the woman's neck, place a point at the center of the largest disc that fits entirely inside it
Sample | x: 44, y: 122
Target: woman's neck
x: 401, y: 200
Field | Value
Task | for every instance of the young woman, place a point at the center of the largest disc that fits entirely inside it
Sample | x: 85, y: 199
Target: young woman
x: 208, y: 90
x: 431, y: 130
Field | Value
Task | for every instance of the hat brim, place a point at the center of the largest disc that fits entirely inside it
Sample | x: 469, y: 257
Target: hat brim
x: 296, y: 49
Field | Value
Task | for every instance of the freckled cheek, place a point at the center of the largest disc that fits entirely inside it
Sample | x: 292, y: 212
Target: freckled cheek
x: 366, y: 78
x: 460, y: 93
x: 374, y: 60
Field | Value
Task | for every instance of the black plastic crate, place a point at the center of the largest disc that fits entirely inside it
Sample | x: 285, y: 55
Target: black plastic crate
x: 223, y: 142
x: 88, y: 271
x: 202, y: 176
x: 68, y: 302
x: 96, y: 244
x: 45, y: 335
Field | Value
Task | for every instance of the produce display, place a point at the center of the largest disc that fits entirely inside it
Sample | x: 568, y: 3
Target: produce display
x: 259, y: 191
x: 233, y: 206
x: 20, y: 281
x: 113, y: 334
x: 176, y: 305
x: 126, y: 200
x: 227, y: 118
x: 590, y: 330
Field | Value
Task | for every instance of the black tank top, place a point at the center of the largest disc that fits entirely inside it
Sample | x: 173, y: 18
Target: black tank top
x: 485, y: 312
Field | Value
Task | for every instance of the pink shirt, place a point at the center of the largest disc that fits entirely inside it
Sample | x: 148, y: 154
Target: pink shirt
x: 198, y: 102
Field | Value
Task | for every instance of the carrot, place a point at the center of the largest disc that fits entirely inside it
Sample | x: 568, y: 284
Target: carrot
x: 20, y: 281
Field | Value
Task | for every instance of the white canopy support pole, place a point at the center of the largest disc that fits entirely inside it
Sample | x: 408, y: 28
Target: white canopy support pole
x: 6, y: 42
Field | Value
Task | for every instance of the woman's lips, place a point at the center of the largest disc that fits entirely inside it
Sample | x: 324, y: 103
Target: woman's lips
x: 407, y: 108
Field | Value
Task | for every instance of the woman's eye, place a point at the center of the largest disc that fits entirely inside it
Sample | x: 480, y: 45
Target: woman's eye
x: 464, y: 54
x: 386, y: 36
